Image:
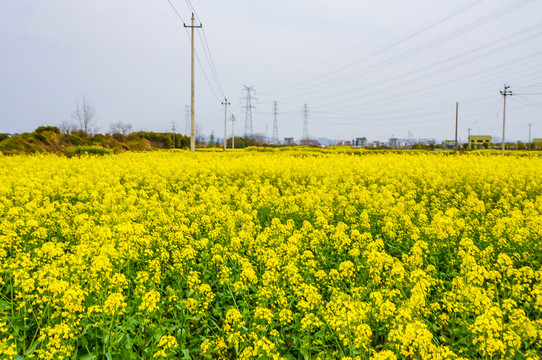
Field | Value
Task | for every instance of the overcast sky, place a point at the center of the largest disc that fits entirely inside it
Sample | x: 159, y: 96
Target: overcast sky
x: 365, y: 68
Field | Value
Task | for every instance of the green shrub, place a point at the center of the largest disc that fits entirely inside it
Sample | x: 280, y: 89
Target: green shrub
x: 86, y: 150
x: 41, y: 129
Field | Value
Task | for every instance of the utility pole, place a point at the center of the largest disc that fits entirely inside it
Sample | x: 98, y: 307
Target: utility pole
x: 504, y: 93
x: 456, y: 116
x: 469, y: 129
x: 305, y: 122
x: 173, y: 130
x: 225, y: 103
x: 275, y: 126
x: 232, y: 132
x: 248, y: 113
x: 192, y: 126
x: 530, y: 134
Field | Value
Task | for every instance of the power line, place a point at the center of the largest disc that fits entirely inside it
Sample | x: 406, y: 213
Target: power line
x: 323, y: 85
x: 212, y: 63
x: 394, y: 43
x: 213, y: 71
x: 176, y: 12
x: 207, y: 50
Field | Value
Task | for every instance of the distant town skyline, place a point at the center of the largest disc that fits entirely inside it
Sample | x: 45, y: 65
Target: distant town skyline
x: 368, y: 69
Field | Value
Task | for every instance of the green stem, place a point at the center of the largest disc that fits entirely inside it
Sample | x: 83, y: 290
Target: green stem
x: 24, y: 328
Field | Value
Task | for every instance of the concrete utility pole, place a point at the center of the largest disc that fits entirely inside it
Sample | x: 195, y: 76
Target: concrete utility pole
x: 232, y: 132
x: 530, y: 134
x: 469, y: 129
x: 504, y: 93
x: 225, y: 103
x: 192, y: 126
x: 456, y: 116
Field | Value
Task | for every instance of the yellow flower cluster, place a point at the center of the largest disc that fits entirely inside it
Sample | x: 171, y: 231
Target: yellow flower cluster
x: 283, y: 254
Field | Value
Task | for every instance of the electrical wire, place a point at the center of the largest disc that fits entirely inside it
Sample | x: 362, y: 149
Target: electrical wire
x: 391, y: 45
x: 206, y: 52
x: 175, y: 10
x: 340, y: 80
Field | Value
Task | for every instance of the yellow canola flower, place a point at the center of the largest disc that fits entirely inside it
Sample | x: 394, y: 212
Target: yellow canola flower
x: 115, y: 304
x: 150, y: 301
x: 353, y: 254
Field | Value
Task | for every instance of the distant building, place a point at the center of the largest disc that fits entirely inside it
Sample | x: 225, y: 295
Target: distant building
x: 289, y: 141
x: 361, y: 142
x: 376, y: 144
x: 393, y: 142
x: 478, y: 141
x: 537, y: 143
x: 309, y: 142
x: 449, y: 144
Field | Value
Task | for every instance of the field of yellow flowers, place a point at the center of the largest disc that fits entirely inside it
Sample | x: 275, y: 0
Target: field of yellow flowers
x: 282, y: 255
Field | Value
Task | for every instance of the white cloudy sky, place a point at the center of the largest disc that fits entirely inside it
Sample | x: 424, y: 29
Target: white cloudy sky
x: 368, y: 68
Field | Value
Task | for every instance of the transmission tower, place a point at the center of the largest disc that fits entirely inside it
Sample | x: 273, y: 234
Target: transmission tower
x: 275, y: 126
x: 248, y: 113
x: 187, y: 126
x: 305, y: 122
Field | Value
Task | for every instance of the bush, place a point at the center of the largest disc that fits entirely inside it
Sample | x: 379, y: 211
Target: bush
x: 41, y: 129
x: 75, y: 140
x: 86, y: 150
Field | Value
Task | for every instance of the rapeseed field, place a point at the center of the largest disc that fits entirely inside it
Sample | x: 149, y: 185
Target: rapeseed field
x: 281, y: 255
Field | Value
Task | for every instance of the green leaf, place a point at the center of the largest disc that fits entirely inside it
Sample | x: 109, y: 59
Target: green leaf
x: 33, y: 347
x: 132, y: 324
x: 89, y: 357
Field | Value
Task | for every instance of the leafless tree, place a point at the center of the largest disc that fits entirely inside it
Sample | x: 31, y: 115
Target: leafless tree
x: 121, y: 128
x: 85, y: 117
x: 67, y: 127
